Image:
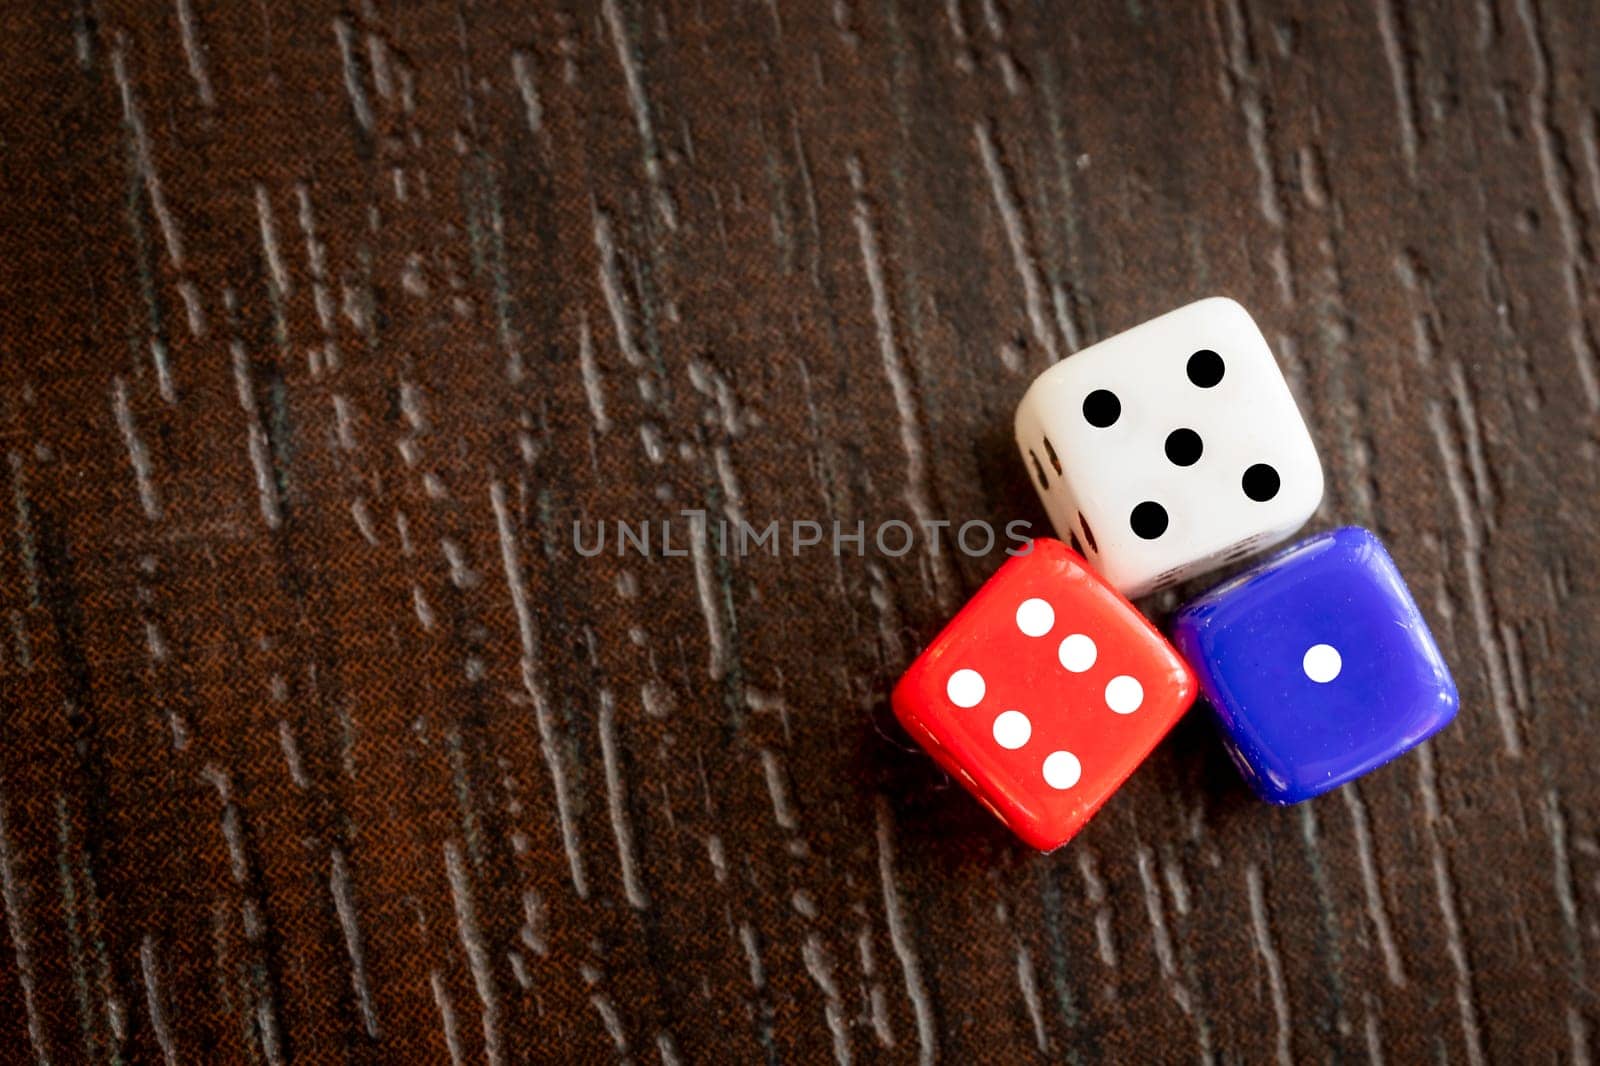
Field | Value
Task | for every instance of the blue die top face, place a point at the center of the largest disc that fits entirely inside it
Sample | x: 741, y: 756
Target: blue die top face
x: 1318, y: 664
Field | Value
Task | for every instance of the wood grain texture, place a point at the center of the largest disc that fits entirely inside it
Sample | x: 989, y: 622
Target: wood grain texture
x: 322, y: 325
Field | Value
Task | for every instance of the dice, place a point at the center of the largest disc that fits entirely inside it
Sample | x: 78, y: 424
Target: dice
x: 1318, y: 664
x: 1043, y: 693
x: 1170, y: 449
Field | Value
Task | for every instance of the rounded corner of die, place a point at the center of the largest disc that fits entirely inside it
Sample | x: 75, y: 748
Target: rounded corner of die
x: 1359, y: 537
x: 903, y: 698
x: 1316, y: 479
x: 1022, y: 424
x: 1279, y: 785
x: 1449, y: 703
x: 1185, y: 688
x: 1229, y: 313
x: 1220, y: 303
x: 1024, y: 417
x: 1361, y: 547
x: 1286, y: 796
x: 1048, y: 549
x: 1045, y: 839
x: 1026, y: 414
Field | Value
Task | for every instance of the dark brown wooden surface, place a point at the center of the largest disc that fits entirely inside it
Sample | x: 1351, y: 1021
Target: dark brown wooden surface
x: 321, y: 325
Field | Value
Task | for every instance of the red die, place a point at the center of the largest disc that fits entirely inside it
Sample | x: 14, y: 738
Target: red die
x: 1044, y: 693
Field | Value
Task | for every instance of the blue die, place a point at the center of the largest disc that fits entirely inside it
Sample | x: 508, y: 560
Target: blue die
x: 1318, y: 664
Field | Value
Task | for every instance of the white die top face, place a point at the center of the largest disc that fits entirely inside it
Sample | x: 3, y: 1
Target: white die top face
x: 1171, y: 448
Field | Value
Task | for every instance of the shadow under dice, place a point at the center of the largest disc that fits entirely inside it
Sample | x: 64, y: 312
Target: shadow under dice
x: 1171, y: 448
x: 1318, y: 665
x: 1044, y: 693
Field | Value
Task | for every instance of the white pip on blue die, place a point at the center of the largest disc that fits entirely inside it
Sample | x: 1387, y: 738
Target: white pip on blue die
x: 1170, y: 449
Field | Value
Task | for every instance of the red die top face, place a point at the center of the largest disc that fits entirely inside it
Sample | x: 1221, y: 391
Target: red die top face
x: 1044, y: 693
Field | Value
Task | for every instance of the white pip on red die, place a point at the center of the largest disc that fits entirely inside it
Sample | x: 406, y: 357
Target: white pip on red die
x: 1043, y: 693
x: 1170, y: 449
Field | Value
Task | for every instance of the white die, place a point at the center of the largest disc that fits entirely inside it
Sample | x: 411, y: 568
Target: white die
x: 1170, y: 449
